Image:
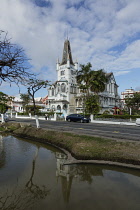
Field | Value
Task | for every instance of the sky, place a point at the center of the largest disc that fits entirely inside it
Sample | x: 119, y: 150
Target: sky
x: 103, y: 32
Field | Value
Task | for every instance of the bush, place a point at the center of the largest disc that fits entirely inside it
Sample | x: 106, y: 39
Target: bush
x: 118, y: 116
x: 106, y: 112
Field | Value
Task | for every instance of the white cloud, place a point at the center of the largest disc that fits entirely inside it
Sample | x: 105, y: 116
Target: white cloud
x: 118, y: 73
x: 101, y: 32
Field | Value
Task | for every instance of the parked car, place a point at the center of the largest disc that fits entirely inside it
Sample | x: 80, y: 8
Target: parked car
x: 5, y: 118
x: 77, y: 118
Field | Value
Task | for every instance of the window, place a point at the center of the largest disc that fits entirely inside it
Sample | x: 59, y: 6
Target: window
x: 59, y: 107
x: 62, y: 73
x: 58, y: 88
x: 63, y: 88
x: 65, y: 106
x: 52, y: 92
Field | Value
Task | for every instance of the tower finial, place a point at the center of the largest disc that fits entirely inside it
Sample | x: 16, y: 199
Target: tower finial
x: 67, y: 34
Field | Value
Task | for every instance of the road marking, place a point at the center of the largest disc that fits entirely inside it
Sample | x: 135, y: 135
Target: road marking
x: 116, y: 131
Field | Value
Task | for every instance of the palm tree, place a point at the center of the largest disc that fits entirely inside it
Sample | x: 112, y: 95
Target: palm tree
x: 90, y: 80
x: 94, y: 81
x: 98, y: 81
x: 83, y: 77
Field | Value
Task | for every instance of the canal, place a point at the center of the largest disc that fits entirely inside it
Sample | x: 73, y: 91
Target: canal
x: 33, y: 177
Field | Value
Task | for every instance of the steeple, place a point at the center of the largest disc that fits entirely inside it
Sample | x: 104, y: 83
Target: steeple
x: 67, y: 53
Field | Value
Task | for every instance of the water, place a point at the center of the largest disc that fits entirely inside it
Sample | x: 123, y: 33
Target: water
x: 33, y: 177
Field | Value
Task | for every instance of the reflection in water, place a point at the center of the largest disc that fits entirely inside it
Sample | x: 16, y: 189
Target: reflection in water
x: 25, y: 197
x: 37, y: 191
x: 34, y: 176
x: 65, y: 173
x: 2, y: 152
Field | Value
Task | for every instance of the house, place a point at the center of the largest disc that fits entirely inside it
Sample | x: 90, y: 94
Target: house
x: 128, y: 93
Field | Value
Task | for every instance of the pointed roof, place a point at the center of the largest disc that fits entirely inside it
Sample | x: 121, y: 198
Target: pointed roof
x: 67, y: 53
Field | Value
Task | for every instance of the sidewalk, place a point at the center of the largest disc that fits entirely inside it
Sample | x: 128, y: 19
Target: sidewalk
x: 115, y: 123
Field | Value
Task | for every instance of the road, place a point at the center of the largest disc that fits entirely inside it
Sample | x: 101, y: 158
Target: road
x: 122, y: 132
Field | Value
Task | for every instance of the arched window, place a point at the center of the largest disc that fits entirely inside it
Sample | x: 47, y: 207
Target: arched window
x: 63, y: 88
x: 65, y: 106
x: 53, y: 107
x: 59, y: 107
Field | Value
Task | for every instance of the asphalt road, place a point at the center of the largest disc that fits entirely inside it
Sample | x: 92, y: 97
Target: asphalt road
x: 122, y: 132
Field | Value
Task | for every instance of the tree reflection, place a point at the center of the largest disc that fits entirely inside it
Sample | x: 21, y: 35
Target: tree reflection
x: 20, y: 199
x: 38, y: 192
x: 86, y: 172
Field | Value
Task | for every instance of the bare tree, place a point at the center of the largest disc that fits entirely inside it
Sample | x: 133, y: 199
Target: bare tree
x: 33, y: 86
x: 14, y: 65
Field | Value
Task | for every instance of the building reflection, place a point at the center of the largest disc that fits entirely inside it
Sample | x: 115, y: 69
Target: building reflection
x: 65, y: 173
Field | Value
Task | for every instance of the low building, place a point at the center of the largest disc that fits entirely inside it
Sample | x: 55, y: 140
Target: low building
x: 128, y: 93
x: 17, y: 105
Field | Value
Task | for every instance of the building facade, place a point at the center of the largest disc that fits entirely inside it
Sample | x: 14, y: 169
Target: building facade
x: 66, y: 97
x: 128, y: 93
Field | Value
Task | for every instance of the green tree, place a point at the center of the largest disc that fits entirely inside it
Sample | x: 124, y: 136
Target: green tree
x: 92, y: 105
x: 133, y: 102
x: 33, y: 86
x: 98, y: 81
x: 25, y: 100
x: 84, y: 78
x: 4, y: 99
x: 91, y: 81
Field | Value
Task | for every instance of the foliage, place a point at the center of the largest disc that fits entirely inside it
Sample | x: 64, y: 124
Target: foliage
x: 98, y: 81
x: 133, y: 102
x: 110, y: 116
x: 25, y: 100
x: 33, y: 85
x: 30, y: 109
x: 92, y: 104
x: 3, y: 108
x: 90, y: 80
x: 4, y: 99
x: 14, y: 65
x: 51, y: 113
x: 59, y: 113
x: 106, y: 112
x: 84, y: 76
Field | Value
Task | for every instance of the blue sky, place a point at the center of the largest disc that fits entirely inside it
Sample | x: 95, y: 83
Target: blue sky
x: 103, y: 32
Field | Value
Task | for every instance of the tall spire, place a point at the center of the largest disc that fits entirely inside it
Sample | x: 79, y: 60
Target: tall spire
x: 67, y: 53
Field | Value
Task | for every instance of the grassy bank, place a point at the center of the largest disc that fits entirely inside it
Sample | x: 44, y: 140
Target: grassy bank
x: 81, y: 147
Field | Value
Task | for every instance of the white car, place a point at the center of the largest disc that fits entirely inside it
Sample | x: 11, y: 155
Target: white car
x: 5, y: 118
